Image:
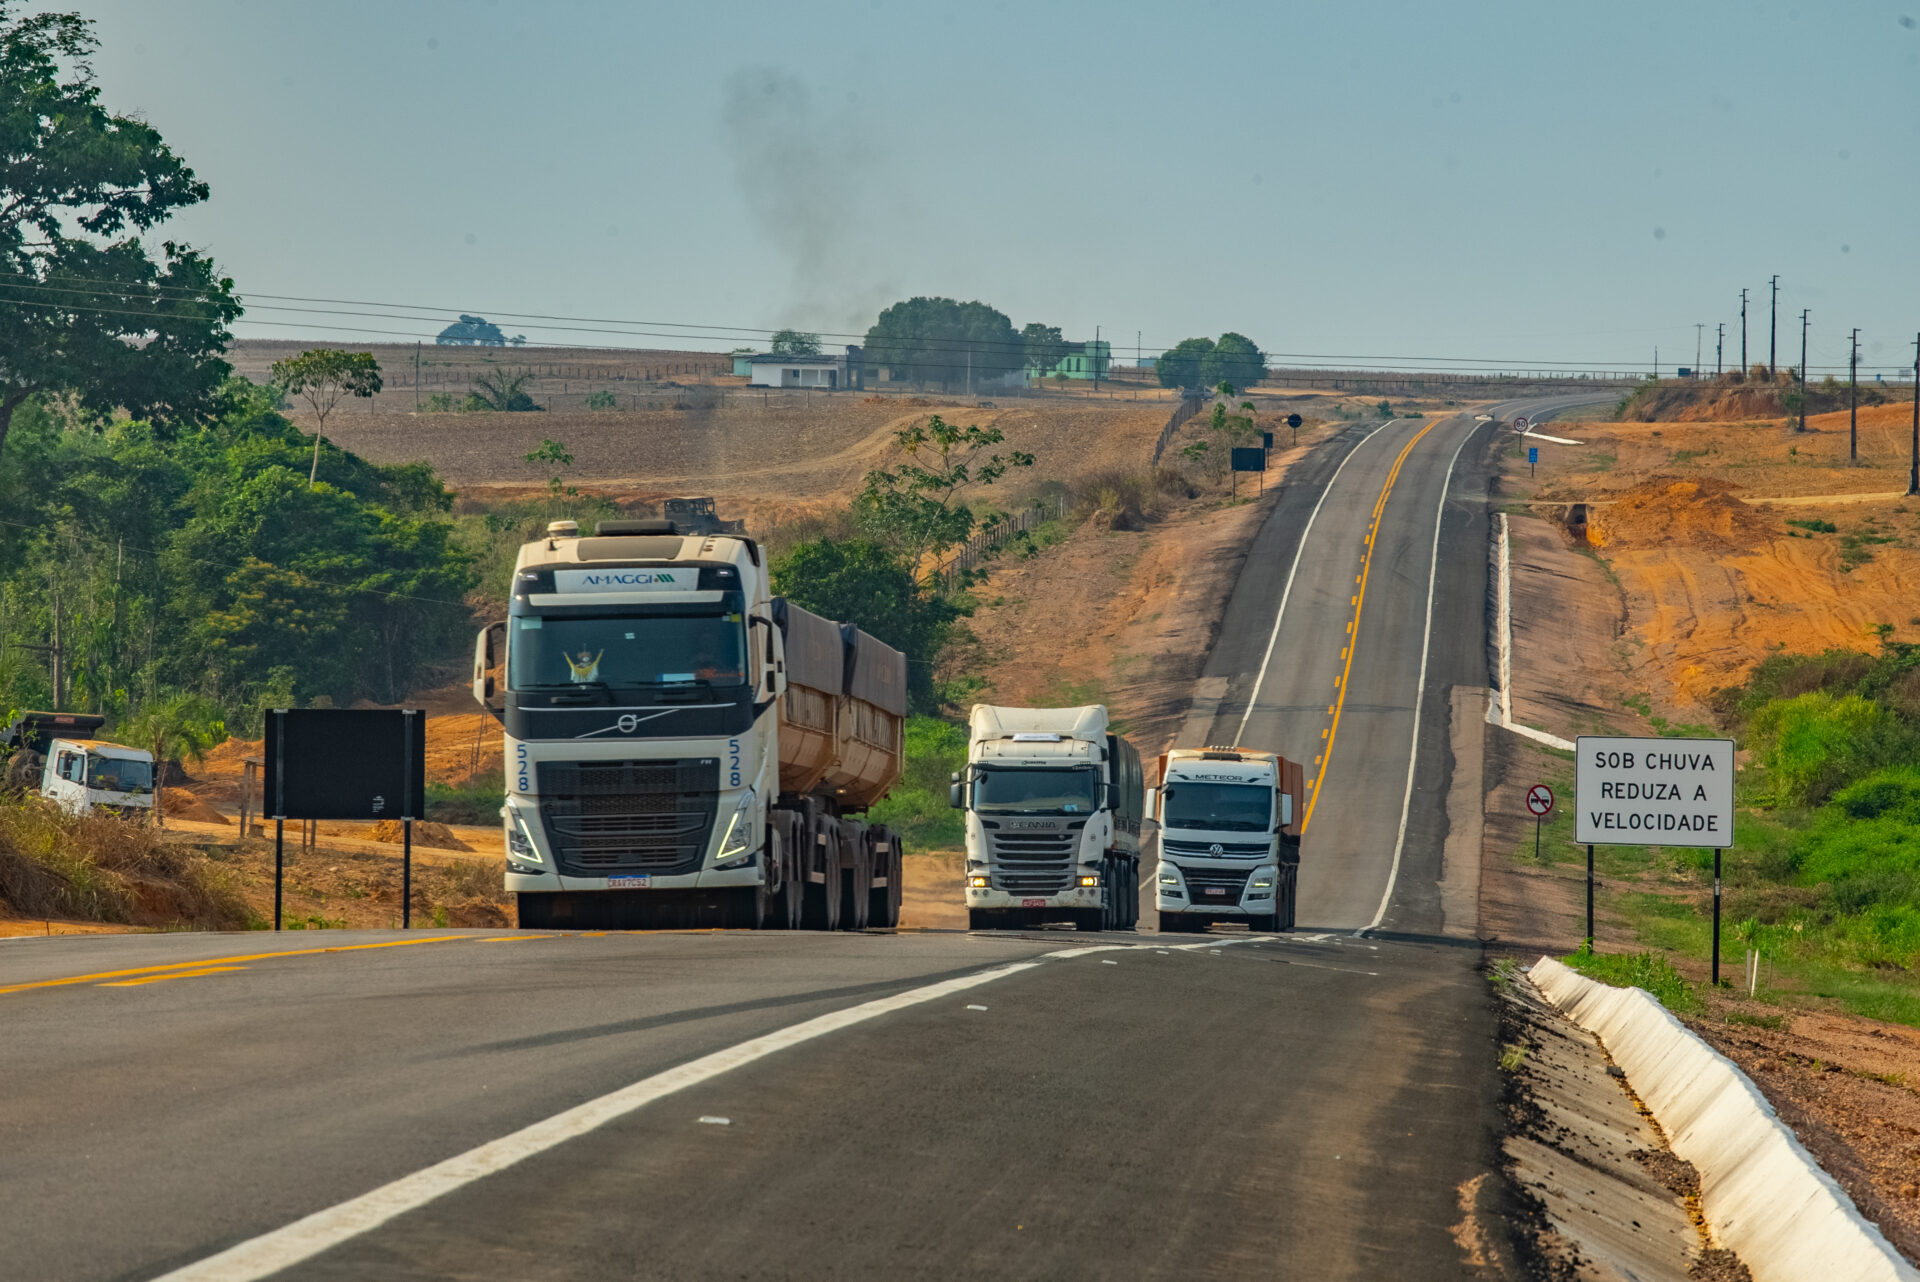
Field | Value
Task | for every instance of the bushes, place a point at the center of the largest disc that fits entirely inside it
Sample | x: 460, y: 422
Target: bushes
x: 1651, y: 971
x: 101, y: 868
x: 1813, y: 745
x: 917, y: 809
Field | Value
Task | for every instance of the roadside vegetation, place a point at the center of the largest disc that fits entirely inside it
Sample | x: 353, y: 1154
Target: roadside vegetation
x: 101, y: 868
x: 1824, y: 879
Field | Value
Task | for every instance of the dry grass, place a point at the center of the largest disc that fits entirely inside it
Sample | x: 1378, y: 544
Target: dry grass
x: 102, y: 868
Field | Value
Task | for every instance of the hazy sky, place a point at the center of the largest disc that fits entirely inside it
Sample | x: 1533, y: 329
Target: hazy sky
x: 1521, y: 183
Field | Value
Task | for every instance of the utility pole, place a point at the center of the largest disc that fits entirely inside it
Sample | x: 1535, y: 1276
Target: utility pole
x: 416, y: 378
x: 1773, y: 334
x: 1698, y: 328
x: 1656, y: 362
x: 1096, y: 358
x: 1720, y: 351
x: 1804, y: 313
x: 1743, y: 333
x: 1853, y: 399
x: 1913, y: 468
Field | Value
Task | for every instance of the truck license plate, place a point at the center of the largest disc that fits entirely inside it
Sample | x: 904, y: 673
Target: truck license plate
x: 1216, y: 890
x: 637, y: 882
x: 1033, y: 903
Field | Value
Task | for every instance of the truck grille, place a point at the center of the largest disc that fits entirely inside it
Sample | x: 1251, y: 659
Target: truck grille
x: 1204, y: 849
x: 1215, y: 886
x: 1032, y: 863
x: 629, y: 816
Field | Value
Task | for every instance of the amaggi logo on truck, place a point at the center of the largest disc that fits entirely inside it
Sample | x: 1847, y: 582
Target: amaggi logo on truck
x: 620, y: 580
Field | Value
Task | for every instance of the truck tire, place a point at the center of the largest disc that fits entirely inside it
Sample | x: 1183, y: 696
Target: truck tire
x: 752, y: 908
x: 1130, y: 872
x: 1101, y: 918
x: 534, y: 911
x: 821, y: 909
x: 856, y: 883
x: 888, y: 861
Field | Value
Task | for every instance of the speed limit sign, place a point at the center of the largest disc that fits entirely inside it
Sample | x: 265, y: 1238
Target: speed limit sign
x: 1540, y: 800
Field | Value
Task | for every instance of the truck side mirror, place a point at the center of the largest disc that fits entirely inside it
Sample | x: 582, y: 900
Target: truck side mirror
x: 955, y: 796
x: 1152, y: 809
x: 489, y: 654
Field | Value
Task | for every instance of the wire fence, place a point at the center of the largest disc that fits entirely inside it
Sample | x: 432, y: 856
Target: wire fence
x: 990, y: 541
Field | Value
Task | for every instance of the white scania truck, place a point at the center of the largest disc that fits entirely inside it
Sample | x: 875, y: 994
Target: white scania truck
x: 1229, y: 838
x: 1054, y: 804
x: 684, y: 748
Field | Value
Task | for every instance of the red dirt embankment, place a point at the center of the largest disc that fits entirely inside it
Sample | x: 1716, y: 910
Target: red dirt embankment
x: 1700, y: 511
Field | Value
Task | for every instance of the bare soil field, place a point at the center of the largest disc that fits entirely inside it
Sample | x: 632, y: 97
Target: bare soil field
x: 1717, y: 536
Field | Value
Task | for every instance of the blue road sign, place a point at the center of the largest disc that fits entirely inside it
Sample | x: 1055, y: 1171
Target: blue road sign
x: 1533, y: 454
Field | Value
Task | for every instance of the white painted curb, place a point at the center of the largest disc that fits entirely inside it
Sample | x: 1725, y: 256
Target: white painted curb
x: 1762, y: 1193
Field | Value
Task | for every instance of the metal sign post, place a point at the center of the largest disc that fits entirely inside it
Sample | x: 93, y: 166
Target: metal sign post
x: 338, y: 763
x: 1656, y: 792
x: 1533, y: 457
x: 1540, y: 805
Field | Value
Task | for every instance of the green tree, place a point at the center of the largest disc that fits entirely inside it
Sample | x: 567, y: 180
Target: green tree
x: 1180, y: 365
x: 938, y: 340
x: 553, y: 452
x: 1042, y: 346
x: 1235, y: 360
x: 868, y: 583
x: 181, y: 727
x: 794, y: 342
x: 322, y: 376
x: 84, y: 308
x: 916, y: 508
x: 472, y: 331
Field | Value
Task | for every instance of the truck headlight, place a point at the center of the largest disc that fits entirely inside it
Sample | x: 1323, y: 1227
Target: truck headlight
x: 1089, y: 881
x: 978, y: 883
x: 520, y: 842
x: 1263, y: 885
x: 738, y: 840
x: 1168, y: 879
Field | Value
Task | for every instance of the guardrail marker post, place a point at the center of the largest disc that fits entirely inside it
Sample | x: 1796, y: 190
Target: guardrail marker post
x: 279, y: 865
x: 1589, y: 898
x: 406, y: 874
x: 1716, y: 917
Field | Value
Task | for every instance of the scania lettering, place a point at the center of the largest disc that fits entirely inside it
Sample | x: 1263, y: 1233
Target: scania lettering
x: 684, y: 747
x: 1053, y: 805
x: 1229, y: 838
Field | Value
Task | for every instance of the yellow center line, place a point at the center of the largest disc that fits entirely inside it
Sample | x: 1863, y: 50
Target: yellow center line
x: 513, y: 939
x: 203, y: 962
x: 182, y: 974
x: 1359, y: 604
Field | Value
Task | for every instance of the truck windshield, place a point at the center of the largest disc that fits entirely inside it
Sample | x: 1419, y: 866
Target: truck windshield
x: 1224, y: 807
x: 1068, y: 791
x: 551, y: 652
x: 119, y: 774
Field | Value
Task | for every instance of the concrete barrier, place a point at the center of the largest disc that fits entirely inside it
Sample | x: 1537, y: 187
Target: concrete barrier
x: 1761, y: 1192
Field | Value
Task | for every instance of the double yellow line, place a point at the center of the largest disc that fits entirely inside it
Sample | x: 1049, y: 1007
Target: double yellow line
x: 1353, y: 626
x: 210, y: 965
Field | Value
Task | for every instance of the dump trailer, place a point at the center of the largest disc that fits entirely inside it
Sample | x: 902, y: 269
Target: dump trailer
x: 683, y: 747
x: 1053, y: 805
x: 1229, y: 838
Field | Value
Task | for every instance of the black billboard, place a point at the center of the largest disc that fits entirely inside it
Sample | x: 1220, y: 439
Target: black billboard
x: 341, y: 763
x: 1249, y: 458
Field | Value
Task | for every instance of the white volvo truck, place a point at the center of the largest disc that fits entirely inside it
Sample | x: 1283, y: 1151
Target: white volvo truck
x: 1054, y: 804
x: 1229, y: 838
x: 682, y: 747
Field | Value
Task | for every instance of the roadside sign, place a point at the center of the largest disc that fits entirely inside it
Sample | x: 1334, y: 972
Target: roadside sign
x: 1540, y: 800
x: 1653, y: 792
x: 1533, y: 454
x: 1520, y: 423
x: 1293, y: 420
x: 1249, y: 458
x: 1266, y: 440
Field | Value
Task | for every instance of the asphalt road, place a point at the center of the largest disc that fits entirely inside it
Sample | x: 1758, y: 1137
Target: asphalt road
x: 1305, y: 1107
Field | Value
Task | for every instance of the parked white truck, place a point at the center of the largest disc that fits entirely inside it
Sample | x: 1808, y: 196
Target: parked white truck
x: 1053, y: 807
x: 1229, y: 838
x: 56, y: 755
x: 682, y: 747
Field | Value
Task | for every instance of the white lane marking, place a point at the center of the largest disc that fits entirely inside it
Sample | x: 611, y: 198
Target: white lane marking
x: 1108, y: 961
x: 1253, y: 700
x: 711, y: 1120
x: 976, y: 1008
x: 1420, y: 690
x: 305, y: 1238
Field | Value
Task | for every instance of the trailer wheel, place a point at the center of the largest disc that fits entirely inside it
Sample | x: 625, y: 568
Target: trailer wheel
x: 888, y: 863
x: 1130, y: 917
x: 856, y: 880
x: 822, y: 898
